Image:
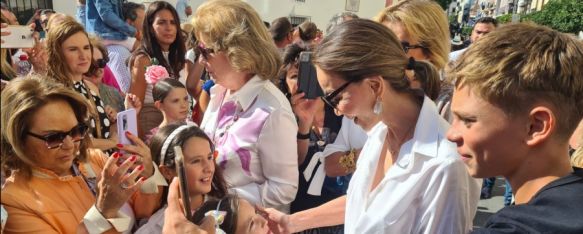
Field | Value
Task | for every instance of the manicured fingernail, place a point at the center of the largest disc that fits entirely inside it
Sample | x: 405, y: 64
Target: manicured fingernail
x: 141, y: 167
x: 115, y: 155
x: 133, y: 158
x: 128, y: 133
x: 142, y: 178
x: 119, y: 146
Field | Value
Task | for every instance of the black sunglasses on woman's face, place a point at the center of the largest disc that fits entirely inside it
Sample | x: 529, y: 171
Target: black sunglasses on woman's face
x: 202, y: 50
x: 101, y: 63
x: 55, y: 139
x: 331, y: 100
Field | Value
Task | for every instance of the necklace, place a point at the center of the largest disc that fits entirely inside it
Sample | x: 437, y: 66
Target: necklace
x: 400, y: 140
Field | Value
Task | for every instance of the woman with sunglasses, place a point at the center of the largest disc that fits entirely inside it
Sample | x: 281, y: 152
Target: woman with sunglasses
x: 70, y: 56
x: 248, y: 119
x: 409, y: 178
x: 96, y: 75
x: 56, y: 183
x: 162, y: 42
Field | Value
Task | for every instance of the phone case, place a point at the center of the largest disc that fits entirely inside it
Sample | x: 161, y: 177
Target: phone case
x: 308, y: 80
x: 126, y: 121
x: 20, y: 37
x: 180, y: 171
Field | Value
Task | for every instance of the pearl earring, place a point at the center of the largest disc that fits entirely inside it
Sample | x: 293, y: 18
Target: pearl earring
x: 378, y: 107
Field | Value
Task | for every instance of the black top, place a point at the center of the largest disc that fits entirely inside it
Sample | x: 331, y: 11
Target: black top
x: 556, y: 208
x: 333, y: 186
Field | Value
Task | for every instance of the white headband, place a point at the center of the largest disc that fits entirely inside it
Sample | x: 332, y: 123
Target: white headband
x: 169, y: 139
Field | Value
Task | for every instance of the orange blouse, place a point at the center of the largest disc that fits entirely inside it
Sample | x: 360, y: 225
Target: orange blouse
x: 48, y: 203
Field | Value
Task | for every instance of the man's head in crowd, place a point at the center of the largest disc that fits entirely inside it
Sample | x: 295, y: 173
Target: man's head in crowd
x: 482, y: 27
x: 134, y: 14
x: 45, y: 15
x: 517, y: 100
x: 281, y: 31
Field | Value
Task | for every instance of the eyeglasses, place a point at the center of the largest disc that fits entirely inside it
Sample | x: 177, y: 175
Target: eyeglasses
x: 407, y: 46
x: 55, y: 140
x: 202, y: 50
x: 331, y: 100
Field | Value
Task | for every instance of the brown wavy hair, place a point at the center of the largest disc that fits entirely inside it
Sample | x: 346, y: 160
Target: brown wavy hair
x: 58, y: 69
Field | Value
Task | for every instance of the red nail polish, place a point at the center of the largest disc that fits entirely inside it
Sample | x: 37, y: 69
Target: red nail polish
x: 128, y: 133
x: 142, y: 178
x: 133, y: 158
x: 115, y: 155
x: 119, y: 146
x: 141, y: 167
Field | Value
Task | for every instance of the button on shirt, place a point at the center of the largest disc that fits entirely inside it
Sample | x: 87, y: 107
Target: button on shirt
x: 254, y: 131
x: 427, y: 190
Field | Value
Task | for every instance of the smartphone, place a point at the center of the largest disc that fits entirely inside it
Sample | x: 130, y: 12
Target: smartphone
x: 307, y: 78
x: 126, y: 122
x: 181, y: 172
x: 20, y: 37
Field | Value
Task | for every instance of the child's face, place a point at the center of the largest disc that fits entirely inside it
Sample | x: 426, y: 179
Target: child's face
x: 248, y: 221
x: 490, y: 142
x: 199, y: 165
x: 175, y: 105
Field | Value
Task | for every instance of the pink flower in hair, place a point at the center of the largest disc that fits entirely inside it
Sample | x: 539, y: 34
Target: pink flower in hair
x: 156, y: 73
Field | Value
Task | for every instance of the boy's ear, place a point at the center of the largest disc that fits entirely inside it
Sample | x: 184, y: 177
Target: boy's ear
x: 542, y: 123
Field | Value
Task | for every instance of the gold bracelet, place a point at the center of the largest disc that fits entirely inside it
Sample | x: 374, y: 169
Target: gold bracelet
x: 347, y: 161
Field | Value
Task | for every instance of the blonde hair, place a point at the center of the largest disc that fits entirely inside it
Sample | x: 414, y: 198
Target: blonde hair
x: 58, y: 69
x: 235, y: 27
x: 54, y: 19
x: 21, y: 99
x: 514, y: 72
x: 424, y: 21
x: 4, y: 53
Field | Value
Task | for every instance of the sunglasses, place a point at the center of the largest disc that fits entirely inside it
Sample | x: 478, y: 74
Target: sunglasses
x: 55, y: 140
x: 407, y: 46
x: 101, y: 63
x: 331, y: 100
x: 202, y: 50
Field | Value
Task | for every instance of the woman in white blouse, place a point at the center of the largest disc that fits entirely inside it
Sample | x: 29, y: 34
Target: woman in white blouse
x: 248, y: 119
x: 408, y: 178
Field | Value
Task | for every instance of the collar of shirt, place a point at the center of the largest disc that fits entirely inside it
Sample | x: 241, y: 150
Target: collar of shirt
x: 247, y: 94
x: 425, y: 137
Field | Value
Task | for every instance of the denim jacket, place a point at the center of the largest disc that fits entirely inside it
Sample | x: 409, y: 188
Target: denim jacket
x: 104, y: 18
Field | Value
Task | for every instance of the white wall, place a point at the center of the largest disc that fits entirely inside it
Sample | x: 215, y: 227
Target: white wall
x: 320, y: 11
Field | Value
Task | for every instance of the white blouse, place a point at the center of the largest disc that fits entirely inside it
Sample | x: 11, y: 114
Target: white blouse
x: 427, y: 190
x: 254, y: 131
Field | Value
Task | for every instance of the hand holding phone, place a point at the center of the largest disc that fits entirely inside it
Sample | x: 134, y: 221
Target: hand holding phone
x: 126, y: 122
x: 181, y: 172
x: 19, y: 37
x: 307, y: 77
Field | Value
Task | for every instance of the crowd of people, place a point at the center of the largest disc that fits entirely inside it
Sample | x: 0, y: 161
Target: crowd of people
x: 407, y: 136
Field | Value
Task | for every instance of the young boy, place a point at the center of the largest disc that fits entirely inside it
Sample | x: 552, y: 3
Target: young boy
x: 518, y: 98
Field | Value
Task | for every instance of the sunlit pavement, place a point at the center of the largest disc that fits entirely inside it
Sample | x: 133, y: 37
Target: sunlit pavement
x: 490, y: 206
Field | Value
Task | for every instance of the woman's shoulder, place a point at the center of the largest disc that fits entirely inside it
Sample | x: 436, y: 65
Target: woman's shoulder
x: 141, y: 59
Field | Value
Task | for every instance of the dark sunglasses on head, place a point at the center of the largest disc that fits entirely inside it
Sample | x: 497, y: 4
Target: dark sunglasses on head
x: 202, y: 50
x: 55, y: 139
x: 407, y: 46
x: 331, y: 100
